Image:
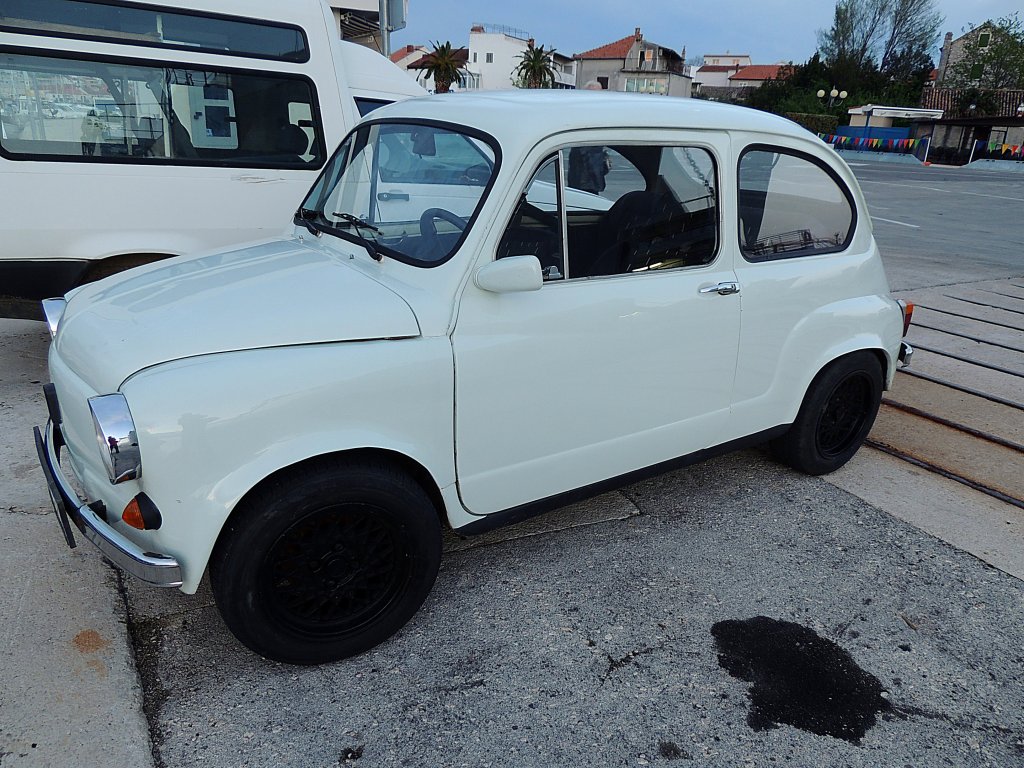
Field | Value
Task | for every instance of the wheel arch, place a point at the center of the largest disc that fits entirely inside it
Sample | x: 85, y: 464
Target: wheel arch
x: 876, y: 351
x: 387, y: 456
x: 864, y: 343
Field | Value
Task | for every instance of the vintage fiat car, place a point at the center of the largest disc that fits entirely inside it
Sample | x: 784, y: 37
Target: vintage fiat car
x: 489, y: 306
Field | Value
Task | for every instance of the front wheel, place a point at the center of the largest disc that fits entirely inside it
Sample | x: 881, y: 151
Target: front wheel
x: 327, y: 562
x: 836, y: 415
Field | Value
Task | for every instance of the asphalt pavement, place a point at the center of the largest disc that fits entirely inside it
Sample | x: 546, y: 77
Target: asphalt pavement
x: 622, y: 631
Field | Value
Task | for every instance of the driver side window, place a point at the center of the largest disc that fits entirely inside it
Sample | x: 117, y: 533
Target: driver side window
x: 604, y: 210
x: 536, y: 226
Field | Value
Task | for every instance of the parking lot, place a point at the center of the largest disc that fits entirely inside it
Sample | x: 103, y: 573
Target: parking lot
x: 614, y: 632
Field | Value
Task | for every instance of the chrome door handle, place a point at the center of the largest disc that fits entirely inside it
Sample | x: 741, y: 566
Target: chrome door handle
x: 722, y: 289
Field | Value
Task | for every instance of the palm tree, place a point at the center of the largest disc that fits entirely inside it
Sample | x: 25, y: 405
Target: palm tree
x: 443, y: 65
x: 535, y: 69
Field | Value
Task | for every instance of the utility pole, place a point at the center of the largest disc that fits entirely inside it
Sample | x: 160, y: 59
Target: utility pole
x: 392, y: 15
x: 385, y: 27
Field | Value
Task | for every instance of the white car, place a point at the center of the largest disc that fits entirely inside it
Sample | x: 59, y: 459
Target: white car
x: 489, y: 305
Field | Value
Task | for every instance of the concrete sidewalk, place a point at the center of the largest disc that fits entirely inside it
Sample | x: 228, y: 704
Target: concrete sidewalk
x: 69, y: 691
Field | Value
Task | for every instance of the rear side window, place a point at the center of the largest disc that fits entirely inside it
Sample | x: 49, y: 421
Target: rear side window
x: 366, y: 106
x: 791, y: 205
x: 93, y: 110
x: 153, y: 26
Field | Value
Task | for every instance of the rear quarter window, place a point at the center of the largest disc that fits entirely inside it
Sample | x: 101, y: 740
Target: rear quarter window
x: 791, y: 204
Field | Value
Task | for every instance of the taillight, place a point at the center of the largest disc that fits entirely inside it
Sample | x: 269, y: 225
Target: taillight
x: 908, y: 313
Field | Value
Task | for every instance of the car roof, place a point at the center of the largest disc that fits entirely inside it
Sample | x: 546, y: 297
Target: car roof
x: 532, y: 114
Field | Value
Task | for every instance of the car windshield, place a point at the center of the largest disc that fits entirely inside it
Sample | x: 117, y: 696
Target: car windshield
x: 404, y: 190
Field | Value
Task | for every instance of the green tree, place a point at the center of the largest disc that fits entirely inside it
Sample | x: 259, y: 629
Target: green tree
x: 997, y: 64
x: 535, y: 68
x: 878, y: 34
x: 445, y: 66
x: 797, y: 86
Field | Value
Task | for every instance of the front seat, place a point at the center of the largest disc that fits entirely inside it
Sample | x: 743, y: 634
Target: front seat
x: 631, y: 227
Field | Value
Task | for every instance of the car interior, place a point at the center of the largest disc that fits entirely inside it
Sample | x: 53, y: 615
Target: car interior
x: 670, y: 221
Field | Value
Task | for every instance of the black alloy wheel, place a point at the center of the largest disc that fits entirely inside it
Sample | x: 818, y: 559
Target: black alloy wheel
x: 327, y: 561
x: 835, y: 417
x: 843, y: 417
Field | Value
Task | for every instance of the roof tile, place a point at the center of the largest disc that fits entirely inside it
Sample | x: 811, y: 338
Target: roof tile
x: 758, y: 72
x: 617, y: 50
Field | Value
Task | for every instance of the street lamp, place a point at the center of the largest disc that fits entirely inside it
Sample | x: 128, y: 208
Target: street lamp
x: 834, y: 96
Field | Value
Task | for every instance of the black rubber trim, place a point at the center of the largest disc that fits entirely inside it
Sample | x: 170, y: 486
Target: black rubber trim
x: 389, y: 252
x: 63, y: 507
x: 50, y: 395
x: 534, y: 508
x: 38, y: 280
x: 301, y: 58
x: 831, y: 172
x: 151, y: 518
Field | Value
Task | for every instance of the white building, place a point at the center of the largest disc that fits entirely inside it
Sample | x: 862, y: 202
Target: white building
x: 495, y: 52
x: 718, y: 68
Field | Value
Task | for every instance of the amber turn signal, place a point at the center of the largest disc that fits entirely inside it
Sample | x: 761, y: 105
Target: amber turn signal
x: 133, y: 515
x: 142, y: 513
x: 908, y: 314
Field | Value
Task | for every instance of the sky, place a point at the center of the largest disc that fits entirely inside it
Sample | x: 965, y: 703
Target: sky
x: 768, y: 30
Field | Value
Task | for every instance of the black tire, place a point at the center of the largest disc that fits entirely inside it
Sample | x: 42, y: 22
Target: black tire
x: 836, y: 415
x: 326, y: 562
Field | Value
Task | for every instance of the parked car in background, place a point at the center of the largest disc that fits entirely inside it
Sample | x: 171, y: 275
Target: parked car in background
x: 214, y: 117
x: 453, y: 334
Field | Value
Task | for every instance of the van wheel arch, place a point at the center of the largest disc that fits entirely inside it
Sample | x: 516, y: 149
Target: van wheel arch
x: 111, y: 265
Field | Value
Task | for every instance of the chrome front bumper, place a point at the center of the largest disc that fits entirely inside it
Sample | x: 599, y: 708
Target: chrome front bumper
x: 158, y: 570
x: 906, y: 353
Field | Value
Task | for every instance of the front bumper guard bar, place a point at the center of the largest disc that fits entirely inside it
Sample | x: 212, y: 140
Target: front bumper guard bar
x: 158, y: 570
x: 906, y: 353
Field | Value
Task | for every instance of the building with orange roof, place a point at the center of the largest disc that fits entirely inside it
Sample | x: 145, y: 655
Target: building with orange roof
x: 755, y: 75
x: 636, y: 65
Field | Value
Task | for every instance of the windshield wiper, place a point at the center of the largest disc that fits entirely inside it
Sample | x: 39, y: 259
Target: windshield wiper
x: 304, y: 217
x: 357, y: 223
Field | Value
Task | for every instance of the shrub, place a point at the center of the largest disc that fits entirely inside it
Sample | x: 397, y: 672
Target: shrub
x: 815, y: 123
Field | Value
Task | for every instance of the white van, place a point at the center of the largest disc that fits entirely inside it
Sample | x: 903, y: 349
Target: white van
x: 131, y: 132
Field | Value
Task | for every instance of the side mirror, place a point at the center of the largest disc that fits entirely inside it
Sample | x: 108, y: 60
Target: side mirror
x: 510, y: 275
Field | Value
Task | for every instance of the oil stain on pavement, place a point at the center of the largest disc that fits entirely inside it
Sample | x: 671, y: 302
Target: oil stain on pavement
x: 799, y: 678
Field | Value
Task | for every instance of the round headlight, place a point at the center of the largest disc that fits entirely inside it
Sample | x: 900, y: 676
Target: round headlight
x: 115, y: 433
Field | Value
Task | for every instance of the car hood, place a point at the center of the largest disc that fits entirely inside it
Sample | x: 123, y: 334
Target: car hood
x: 273, y: 294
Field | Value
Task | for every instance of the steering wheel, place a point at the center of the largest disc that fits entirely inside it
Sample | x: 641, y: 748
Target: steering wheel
x: 429, y: 231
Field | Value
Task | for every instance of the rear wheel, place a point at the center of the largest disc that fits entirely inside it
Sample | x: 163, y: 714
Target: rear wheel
x: 836, y: 415
x: 326, y: 563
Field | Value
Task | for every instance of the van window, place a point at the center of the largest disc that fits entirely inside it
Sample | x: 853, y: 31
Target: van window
x: 152, y: 26
x: 366, y: 106
x: 95, y: 110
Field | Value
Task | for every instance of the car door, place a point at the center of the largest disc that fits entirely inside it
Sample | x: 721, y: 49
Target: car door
x: 619, y: 361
